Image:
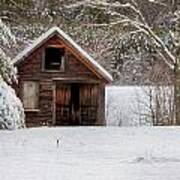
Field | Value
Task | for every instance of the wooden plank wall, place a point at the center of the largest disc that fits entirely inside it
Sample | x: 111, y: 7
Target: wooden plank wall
x: 31, y: 69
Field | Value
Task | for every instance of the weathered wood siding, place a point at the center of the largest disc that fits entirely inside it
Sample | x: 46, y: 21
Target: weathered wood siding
x: 32, y: 69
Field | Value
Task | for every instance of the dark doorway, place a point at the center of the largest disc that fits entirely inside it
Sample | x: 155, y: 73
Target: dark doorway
x: 76, y: 104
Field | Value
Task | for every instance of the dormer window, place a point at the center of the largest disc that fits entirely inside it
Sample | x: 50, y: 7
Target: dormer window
x: 54, y: 59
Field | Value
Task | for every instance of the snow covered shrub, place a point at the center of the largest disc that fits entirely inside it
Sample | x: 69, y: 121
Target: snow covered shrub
x: 11, y: 109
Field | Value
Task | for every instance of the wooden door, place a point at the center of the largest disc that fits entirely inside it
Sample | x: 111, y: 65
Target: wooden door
x: 88, y: 104
x: 63, y: 104
x: 76, y: 104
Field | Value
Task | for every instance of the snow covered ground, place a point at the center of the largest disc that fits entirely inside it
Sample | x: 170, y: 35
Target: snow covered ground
x: 90, y: 153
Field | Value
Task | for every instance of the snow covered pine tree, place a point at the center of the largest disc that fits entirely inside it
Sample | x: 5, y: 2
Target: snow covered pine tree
x: 11, y: 109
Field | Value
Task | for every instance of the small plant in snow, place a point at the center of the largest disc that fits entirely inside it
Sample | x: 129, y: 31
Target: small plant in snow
x: 57, y: 143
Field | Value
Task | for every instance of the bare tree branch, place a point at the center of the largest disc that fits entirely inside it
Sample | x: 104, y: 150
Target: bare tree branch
x: 139, y: 24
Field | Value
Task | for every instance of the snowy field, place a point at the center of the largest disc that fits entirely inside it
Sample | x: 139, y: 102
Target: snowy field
x: 130, y: 105
x: 90, y: 153
x: 122, y: 105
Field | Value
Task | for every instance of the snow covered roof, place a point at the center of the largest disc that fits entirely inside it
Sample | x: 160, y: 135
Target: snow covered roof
x: 39, y: 41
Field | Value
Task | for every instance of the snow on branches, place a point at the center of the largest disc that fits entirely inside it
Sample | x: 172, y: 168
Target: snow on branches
x: 6, y: 36
x: 7, y: 71
x: 138, y: 21
x: 11, y: 109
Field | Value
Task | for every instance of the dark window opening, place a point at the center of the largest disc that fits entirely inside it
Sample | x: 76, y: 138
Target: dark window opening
x: 54, y: 58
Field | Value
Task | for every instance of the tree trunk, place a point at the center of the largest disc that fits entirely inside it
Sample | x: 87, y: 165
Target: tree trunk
x: 174, y: 5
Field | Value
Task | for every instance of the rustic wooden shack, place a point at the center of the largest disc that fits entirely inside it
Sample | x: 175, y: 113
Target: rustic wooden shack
x: 59, y: 83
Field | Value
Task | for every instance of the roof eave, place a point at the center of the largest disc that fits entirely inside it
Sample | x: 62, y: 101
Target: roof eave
x: 51, y: 32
